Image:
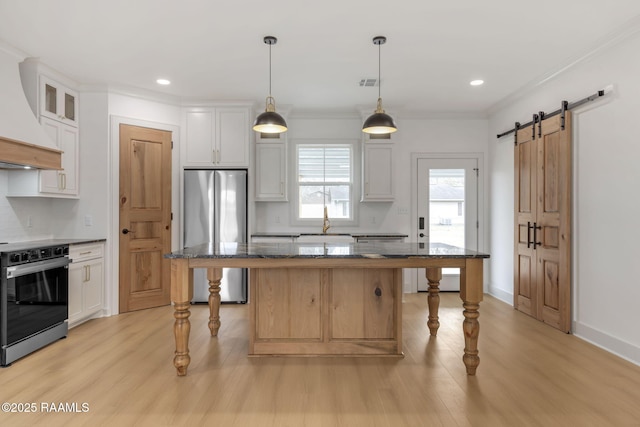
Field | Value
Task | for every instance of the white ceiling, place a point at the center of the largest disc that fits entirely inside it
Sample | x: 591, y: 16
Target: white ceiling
x: 214, y: 50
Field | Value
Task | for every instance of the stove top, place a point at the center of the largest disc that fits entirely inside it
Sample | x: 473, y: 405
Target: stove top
x: 39, y: 250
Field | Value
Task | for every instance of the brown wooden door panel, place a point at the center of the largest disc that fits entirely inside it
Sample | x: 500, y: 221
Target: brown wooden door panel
x: 363, y: 304
x: 145, y: 217
x: 290, y: 306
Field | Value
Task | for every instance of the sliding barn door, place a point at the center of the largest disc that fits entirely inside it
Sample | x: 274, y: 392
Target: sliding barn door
x: 542, y: 268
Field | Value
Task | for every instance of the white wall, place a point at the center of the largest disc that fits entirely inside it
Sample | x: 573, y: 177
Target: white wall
x: 606, y: 205
x: 14, y: 212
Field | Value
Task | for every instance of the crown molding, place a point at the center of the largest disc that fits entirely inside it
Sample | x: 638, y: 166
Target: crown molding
x: 612, y: 39
x: 17, y: 53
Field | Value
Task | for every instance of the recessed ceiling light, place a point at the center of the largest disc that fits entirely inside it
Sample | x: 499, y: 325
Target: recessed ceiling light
x: 476, y: 82
x: 163, y: 82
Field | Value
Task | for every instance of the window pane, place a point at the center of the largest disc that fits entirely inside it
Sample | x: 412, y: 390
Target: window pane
x: 310, y: 164
x: 313, y: 198
x: 311, y: 201
x: 324, y: 164
x: 338, y: 202
x: 446, y: 206
x: 337, y: 164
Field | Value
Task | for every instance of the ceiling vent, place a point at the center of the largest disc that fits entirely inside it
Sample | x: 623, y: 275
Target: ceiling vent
x: 369, y: 82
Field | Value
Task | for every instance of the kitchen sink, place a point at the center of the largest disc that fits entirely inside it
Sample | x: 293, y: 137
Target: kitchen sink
x: 325, y: 238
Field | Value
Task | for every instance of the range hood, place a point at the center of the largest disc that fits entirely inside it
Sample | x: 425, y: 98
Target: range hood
x: 23, y: 142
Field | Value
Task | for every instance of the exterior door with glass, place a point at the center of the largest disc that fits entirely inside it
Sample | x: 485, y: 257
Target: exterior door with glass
x: 447, y: 209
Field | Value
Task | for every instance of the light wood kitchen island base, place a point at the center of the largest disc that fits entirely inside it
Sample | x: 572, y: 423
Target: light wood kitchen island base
x: 326, y: 299
x: 326, y: 312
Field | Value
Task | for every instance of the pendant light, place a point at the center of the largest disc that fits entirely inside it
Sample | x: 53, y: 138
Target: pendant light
x: 270, y: 121
x: 379, y: 122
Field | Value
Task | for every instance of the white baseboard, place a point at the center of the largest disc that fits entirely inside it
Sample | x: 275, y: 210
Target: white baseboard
x: 606, y: 342
x: 501, y: 294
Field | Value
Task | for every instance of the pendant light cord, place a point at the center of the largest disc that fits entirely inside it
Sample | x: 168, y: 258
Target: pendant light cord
x: 379, y: 79
x: 270, y: 70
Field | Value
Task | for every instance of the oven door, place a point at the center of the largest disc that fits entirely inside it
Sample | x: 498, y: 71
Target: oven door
x: 36, y: 298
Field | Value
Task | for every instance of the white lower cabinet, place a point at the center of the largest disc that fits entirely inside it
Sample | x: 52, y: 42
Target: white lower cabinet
x: 86, y: 282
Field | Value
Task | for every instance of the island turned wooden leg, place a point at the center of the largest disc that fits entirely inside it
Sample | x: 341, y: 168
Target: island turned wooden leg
x: 214, y: 275
x: 471, y: 293
x: 434, y: 275
x: 181, y: 295
x: 181, y: 330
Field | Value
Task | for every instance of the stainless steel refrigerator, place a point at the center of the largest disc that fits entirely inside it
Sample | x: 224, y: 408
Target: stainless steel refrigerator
x: 215, y: 210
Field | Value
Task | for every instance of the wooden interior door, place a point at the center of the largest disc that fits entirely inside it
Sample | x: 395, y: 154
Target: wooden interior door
x: 543, y: 222
x: 145, y: 217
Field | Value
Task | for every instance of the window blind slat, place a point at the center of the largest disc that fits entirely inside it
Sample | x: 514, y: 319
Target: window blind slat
x: 324, y: 164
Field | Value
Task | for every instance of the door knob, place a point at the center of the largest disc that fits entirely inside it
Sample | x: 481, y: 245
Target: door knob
x: 421, y: 234
x: 126, y: 231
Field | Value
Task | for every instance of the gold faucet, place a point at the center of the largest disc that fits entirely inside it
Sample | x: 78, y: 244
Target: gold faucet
x: 326, y: 223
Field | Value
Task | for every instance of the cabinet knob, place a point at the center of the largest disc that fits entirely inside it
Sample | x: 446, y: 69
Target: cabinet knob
x: 126, y: 231
x: 378, y: 292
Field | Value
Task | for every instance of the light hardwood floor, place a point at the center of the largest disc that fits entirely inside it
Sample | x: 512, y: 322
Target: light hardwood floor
x: 529, y: 375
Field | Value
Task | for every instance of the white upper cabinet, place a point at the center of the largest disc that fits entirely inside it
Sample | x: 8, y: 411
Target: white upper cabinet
x: 271, y: 171
x: 216, y: 137
x: 377, y: 172
x: 58, y: 102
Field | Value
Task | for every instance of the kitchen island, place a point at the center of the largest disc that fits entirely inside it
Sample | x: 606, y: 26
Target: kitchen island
x: 341, y: 299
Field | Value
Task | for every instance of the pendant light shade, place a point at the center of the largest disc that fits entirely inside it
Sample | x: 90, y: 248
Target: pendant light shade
x: 270, y: 121
x: 379, y: 122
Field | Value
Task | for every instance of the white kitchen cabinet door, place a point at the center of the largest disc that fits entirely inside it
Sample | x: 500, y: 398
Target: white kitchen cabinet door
x: 271, y: 172
x: 86, y: 282
x: 217, y: 137
x: 199, y: 143
x: 76, y: 272
x: 232, y: 137
x: 93, y: 286
x: 63, y: 182
x: 377, y: 172
x: 86, y: 287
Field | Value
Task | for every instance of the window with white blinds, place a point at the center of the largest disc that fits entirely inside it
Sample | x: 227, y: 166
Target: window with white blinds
x: 325, y: 178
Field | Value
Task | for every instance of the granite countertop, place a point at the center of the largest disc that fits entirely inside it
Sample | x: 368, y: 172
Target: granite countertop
x: 33, y: 244
x: 325, y: 250
x: 296, y: 234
